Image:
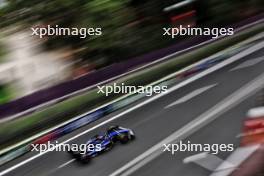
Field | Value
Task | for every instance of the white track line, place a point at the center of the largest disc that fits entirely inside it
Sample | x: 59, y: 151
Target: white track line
x: 176, y: 87
x: 191, y: 95
x: 249, y: 63
x: 207, y: 161
x: 67, y: 163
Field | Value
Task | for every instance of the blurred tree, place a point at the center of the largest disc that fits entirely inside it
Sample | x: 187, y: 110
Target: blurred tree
x: 112, y: 16
x: 130, y: 27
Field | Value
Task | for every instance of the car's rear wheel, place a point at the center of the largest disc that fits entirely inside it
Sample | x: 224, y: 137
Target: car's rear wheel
x: 75, y: 154
x: 110, y: 146
x: 85, y: 159
x: 124, y: 139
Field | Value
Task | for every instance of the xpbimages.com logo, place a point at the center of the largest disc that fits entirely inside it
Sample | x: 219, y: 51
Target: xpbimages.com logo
x: 81, y: 148
x: 194, y: 31
x: 124, y: 89
x: 190, y: 147
x: 62, y: 31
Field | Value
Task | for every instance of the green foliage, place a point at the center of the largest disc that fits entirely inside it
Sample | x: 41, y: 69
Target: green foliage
x: 110, y: 15
x: 5, y: 94
x: 130, y: 27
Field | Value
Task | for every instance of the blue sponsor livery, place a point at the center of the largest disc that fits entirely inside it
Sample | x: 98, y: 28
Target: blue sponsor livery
x: 104, y: 142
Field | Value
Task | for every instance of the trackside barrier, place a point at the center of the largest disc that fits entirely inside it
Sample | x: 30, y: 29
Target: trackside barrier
x: 14, y: 154
x: 74, y: 125
x: 253, y: 127
x: 97, y: 114
x: 207, y: 64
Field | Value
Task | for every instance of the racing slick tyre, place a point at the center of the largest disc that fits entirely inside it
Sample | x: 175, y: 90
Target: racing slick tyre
x: 84, y: 159
x: 75, y: 154
x: 123, y: 139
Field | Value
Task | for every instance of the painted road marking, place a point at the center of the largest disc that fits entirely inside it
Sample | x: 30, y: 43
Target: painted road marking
x: 236, y: 158
x: 191, y: 95
x: 207, y: 161
x: 67, y: 163
x: 248, y: 63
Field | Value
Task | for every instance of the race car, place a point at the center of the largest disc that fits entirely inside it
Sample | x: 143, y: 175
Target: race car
x: 103, y: 143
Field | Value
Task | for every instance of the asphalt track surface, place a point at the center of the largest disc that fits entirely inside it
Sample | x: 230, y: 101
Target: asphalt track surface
x: 222, y: 131
x: 153, y: 122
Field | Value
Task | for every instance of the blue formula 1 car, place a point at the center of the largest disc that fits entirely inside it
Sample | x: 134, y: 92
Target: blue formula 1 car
x: 103, y: 143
